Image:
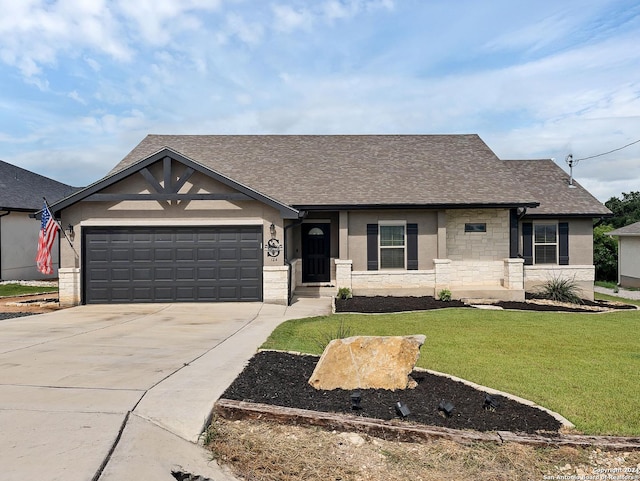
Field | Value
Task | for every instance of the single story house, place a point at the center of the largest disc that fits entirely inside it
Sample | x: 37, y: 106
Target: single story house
x: 628, y: 254
x: 21, y: 193
x: 258, y: 217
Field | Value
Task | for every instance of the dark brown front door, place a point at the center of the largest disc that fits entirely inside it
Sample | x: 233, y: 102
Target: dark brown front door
x: 315, y: 253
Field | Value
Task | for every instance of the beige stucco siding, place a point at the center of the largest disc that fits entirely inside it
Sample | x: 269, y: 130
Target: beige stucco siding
x: 581, y: 242
x: 427, y: 221
x: 171, y: 213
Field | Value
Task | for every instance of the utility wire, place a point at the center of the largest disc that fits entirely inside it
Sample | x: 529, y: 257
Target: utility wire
x: 605, y: 153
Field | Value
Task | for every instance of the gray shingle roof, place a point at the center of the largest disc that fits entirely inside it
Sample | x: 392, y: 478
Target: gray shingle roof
x: 627, y: 230
x: 549, y: 184
x: 23, y: 190
x: 365, y: 170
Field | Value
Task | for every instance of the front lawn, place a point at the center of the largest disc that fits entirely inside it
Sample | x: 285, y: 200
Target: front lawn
x: 14, y: 289
x: 583, y: 366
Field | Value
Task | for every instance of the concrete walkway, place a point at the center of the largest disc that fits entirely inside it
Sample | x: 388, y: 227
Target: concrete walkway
x: 123, y: 392
x: 624, y: 293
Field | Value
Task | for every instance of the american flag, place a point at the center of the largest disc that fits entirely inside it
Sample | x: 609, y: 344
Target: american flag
x: 48, y: 230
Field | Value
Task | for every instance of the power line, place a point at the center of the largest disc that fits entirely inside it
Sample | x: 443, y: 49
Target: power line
x: 605, y: 153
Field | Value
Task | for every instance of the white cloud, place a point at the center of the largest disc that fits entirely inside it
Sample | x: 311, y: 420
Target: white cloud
x: 288, y: 18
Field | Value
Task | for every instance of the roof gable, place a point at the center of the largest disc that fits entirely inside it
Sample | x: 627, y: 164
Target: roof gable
x: 361, y: 171
x: 162, y: 192
x: 351, y: 170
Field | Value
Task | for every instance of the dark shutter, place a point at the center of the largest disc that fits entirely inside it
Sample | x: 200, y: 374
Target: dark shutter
x: 412, y: 247
x: 513, y: 233
x: 527, y: 243
x: 372, y: 247
x: 563, y: 243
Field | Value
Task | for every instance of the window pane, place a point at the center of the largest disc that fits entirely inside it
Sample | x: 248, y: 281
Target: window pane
x: 545, y: 233
x: 391, y: 235
x: 392, y: 258
x: 546, y: 254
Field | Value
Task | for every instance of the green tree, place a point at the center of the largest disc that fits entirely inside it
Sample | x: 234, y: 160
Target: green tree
x: 605, y: 253
x: 625, y: 210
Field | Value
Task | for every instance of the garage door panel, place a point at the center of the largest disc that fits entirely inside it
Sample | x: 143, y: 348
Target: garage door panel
x: 173, y: 264
x: 142, y: 274
x: 186, y: 273
x: 163, y: 274
x: 120, y: 274
x: 163, y: 255
x: 228, y: 253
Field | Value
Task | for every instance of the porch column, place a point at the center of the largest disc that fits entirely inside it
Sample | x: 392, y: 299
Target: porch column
x: 443, y: 274
x: 69, y: 286
x: 275, y: 284
x: 343, y: 273
x: 514, y: 273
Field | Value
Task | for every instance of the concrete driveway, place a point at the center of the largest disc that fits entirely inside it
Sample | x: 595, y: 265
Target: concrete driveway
x: 120, y: 392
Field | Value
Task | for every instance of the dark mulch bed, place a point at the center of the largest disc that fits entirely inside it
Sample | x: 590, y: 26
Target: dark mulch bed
x: 13, y: 315
x: 386, y: 304
x: 280, y: 379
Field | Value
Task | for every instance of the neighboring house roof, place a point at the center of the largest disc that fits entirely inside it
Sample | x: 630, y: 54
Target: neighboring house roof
x: 546, y: 182
x: 628, y: 230
x: 364, y: 171
x: 23, y: 190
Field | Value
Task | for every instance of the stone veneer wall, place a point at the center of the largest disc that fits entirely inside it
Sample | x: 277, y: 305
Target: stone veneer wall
x: 492, y: 245
x: 393, y: 282
x: 69, y: 286
x: 275, y: 282
x: 537, y: 275
x: 477, y: 273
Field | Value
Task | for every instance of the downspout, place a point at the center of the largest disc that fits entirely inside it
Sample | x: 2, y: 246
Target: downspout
x: 2, y: 215
x: 298, y: 222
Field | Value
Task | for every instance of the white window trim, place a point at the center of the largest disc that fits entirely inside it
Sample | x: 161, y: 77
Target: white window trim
x: 396, y: 223
x: 556, y: 243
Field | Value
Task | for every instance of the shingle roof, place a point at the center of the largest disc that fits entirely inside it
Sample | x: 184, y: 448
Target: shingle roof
x: 23, y: 190
x: 366, y: 170
x: 627, y: 230
x: 549, y: 184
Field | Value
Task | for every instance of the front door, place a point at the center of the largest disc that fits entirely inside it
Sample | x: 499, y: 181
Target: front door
x: 315, y: 253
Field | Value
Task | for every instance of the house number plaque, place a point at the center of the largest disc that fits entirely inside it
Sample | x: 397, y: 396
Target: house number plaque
x: 273, y: 248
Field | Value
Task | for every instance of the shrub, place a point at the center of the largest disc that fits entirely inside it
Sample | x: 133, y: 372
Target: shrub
x: 344, y: 293
x: 444, y: 295
x: 561, y: 290
x: 341, y: 331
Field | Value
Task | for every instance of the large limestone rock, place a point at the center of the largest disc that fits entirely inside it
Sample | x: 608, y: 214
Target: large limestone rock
x: 368, y: 362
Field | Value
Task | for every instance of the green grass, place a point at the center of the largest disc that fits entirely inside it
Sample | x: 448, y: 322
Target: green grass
x: 18, y: 290
x: 583, y: 366
x: 607, y: 284
x: 607, y: 297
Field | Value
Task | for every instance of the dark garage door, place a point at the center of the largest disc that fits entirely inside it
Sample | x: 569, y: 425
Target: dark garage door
x: 172, y: 264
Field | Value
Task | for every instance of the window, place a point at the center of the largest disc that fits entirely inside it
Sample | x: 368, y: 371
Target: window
x: 392, y: 246
x: 475, y: 227
x: 545, y: 243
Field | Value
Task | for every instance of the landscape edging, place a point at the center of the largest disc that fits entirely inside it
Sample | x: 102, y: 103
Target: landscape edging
x: 235, y: 410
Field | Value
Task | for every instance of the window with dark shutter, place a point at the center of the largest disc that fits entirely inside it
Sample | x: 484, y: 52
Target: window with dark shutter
x: 527, y: 243
x: 563, y: 243
x: 372, y: 247
x: 412, y: 247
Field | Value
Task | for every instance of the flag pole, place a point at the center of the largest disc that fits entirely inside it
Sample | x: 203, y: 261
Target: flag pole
x: 46, y: 204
